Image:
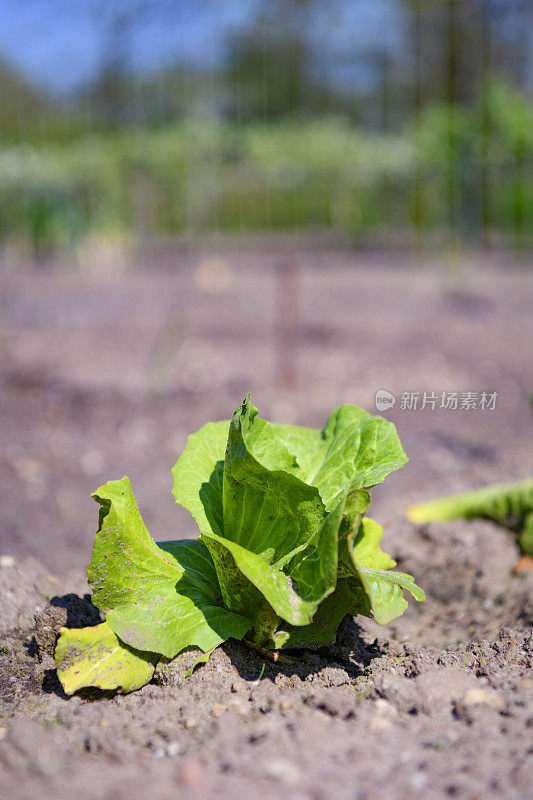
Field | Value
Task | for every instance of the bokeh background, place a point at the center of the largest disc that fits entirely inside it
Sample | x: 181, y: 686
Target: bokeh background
x: 309, y: 200
x: 406, y: 122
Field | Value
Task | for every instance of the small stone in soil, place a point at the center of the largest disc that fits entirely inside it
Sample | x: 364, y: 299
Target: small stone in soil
x: 475, y: 697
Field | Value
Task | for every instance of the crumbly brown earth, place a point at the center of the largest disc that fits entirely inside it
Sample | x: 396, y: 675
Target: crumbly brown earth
x: 104, y: 374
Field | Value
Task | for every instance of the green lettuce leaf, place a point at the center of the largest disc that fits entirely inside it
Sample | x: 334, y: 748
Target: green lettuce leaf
x: 285, y: 551
x: 160, y: 598
x: 365, y: 586
x: 198, y: 475
x: 525, y: 535
x: 349, y: 597
x: 366, y: 546
x: 276, y: 539
x: 274, y: 502
x: 203, y: 659
x: 275, y: 526
x: 507, y: 504
x: 372, y: 567
x: 198, y: 487
x: 356, y: 450
x: 357, y: 503
x: 96, y: 657
x: 384, y: 591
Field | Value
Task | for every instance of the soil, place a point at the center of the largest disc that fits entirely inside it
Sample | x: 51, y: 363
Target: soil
x: 105, y: 373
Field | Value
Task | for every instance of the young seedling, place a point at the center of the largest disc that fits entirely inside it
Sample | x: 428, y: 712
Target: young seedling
x: 509, y: 505
x: 285, y: 549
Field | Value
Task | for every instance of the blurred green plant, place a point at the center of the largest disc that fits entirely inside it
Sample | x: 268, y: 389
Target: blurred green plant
x: 476, y: 164
x: 464, y: 170
x: 509, y: 505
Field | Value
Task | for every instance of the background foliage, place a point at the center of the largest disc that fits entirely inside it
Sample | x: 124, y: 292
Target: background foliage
x: 424, y: 129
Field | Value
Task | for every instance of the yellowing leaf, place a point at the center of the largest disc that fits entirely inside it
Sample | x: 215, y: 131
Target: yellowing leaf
x: 97, y: 657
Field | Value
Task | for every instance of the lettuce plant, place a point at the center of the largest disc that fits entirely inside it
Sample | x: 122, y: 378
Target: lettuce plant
x: 285, y: 549
x: 509, y: 505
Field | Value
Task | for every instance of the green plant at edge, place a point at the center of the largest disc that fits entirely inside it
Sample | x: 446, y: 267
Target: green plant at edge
x: 509, y: 505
